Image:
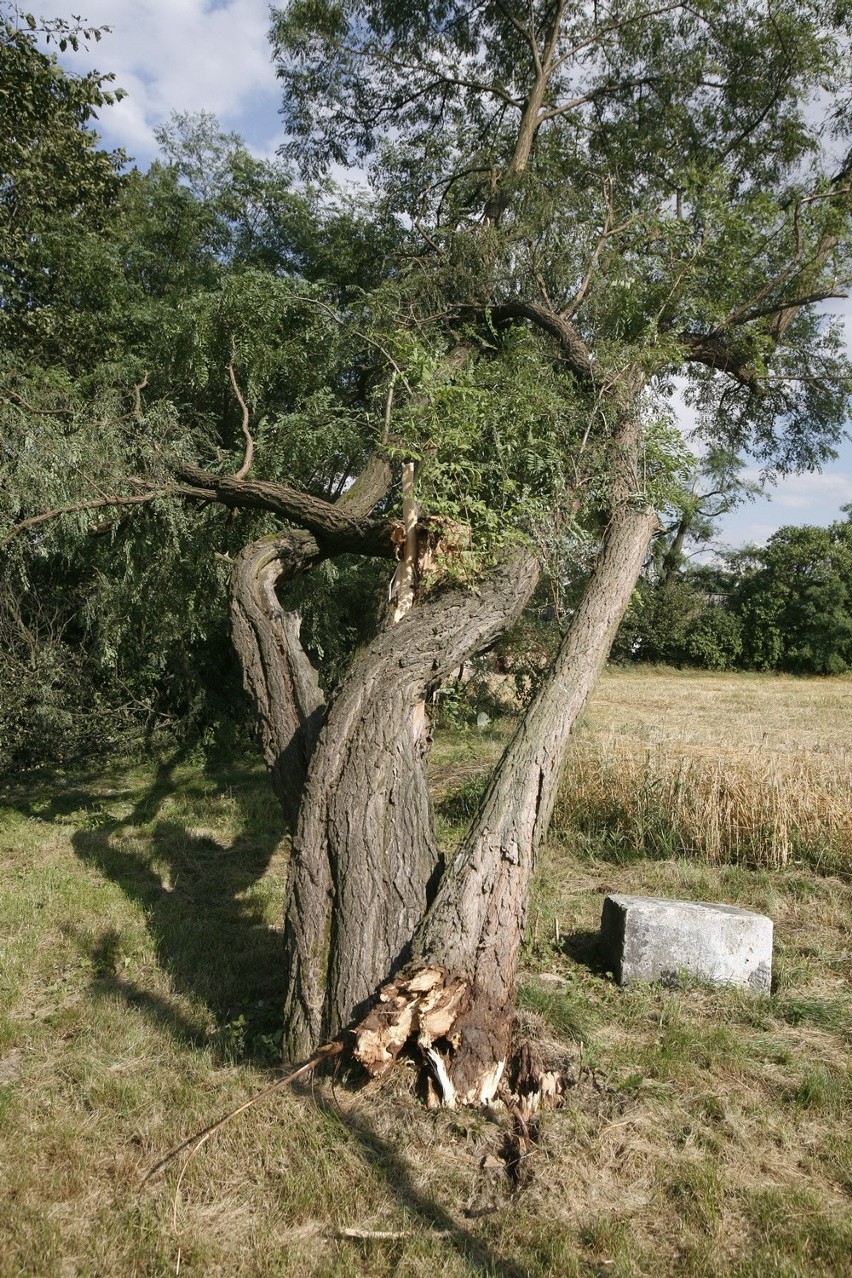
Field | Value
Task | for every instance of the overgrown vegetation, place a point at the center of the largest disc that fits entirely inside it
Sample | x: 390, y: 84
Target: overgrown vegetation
x: 704, y: 1133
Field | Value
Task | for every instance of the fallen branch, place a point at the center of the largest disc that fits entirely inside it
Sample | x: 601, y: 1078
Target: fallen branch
x: 393, y: 1234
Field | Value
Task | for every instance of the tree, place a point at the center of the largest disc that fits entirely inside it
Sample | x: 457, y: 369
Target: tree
x: 57, y: 188
x: 587, y: 203
x: 127, y: 616
x: 673, y: 618
x: 794, y: 598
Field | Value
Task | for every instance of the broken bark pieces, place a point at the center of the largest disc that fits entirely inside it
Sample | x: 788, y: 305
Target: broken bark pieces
x: 422, y: 1007
x: 428, y: 1010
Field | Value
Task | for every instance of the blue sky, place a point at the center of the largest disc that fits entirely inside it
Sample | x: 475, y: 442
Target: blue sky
x: 213, y: 55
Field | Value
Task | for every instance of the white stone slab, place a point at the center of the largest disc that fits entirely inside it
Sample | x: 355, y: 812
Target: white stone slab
x: 646, y: 938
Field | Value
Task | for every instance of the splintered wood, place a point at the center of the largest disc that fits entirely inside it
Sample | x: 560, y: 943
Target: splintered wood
x: 424, y: 1008
x: 405, y: 573
x: 428, y: 1009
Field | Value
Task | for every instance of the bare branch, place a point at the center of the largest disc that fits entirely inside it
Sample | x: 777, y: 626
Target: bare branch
x: 337, y: 531
x: 795, y: 304
x: 553, y: 38
x: 137, y: 396
x: 527, y: 32
x: 31, y: 408
x: 615, y: 26
x: 606, y: 234
x: 249, y: 453
x: 552, y: 112
x: 95, y: 503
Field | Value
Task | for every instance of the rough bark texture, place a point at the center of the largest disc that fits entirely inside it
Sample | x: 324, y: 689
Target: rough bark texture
x: 336, y: 525
x: 476, y: 924
x: 364, y: 852
x: 469, y: 942
x: 277, y: 673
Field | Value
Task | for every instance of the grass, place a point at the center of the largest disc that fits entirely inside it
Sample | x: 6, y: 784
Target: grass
x: 705, y: 1133
x: 750, y: 768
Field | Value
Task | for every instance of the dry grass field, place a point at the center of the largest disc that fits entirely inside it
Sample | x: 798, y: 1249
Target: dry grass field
x: 706, y: 1132
x: 752, y: 768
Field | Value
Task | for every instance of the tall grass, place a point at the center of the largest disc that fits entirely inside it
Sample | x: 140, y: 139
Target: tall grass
x: 749, y: 806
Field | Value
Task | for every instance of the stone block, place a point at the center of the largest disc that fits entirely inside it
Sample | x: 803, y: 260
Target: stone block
x: 646, y: 938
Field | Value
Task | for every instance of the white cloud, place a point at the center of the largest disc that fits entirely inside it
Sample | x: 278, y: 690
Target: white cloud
x: 824, y: 492
x: 183, y: 55
x: 797, y: 499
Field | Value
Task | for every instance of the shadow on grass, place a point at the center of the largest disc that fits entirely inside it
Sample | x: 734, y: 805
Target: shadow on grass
x: 215, y: 946
x: 386, y: 1160
x: 585, y: 947
x: 210, y: 936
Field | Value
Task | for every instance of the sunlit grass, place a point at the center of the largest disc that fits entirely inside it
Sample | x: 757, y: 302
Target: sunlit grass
x: 705, y: 1133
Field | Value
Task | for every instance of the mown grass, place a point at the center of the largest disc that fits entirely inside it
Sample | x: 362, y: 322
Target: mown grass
x: 706, y: 1131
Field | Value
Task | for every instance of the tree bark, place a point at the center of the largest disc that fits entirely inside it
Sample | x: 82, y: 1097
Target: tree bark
x: 365, y: 852
x: 277, y: 673
x: 457, y: 996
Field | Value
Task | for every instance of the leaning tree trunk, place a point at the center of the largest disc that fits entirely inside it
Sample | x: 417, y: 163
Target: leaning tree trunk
x: 364, y: 854
x: 380, y: 938
x: 364, y: 857
x: 456, y: 998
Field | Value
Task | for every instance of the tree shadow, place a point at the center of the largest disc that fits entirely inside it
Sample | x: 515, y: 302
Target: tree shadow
x: 386, y: 1159
x: 216, y: 947
x: 209, y: 932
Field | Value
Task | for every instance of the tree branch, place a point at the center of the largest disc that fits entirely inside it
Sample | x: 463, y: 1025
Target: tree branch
x: 96, y: 503
x: 249, y: 453
x: 138, y: 388
x: 615, y: 26
x: 336, y: 530
x: 574, y: 350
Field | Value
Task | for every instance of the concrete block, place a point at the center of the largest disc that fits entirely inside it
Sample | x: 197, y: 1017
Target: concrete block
x: 646, y: 938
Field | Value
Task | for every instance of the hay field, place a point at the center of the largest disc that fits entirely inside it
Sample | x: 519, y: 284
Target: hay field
x: 743, y: 768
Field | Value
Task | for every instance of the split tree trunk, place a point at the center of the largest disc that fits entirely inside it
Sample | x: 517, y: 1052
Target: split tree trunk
x: 379, y: 936
x: 456, y: 999
x: 364, y: 853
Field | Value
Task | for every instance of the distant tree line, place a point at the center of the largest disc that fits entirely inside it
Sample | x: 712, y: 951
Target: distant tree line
x: 785, y: 606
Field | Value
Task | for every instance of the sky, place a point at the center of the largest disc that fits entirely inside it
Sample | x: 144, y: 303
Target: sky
x: 213, y: 55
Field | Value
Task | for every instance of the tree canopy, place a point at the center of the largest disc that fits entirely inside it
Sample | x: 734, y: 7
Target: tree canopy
x: 464, y: 376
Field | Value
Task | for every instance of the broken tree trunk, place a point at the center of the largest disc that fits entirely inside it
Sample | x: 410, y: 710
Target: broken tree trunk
x: 364, y: 854
x: 456, y: 998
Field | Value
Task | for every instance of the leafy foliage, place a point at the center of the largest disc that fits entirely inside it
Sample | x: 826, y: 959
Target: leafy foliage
x: 784, y: 607
x: 795, y: 601
x: 570, y: 208
x: 57, y: 188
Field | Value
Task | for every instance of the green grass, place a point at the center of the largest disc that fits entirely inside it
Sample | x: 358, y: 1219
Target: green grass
x: 705, y: 1131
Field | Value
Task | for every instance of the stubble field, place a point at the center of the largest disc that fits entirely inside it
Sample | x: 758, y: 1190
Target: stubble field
x: 706, y: 1131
